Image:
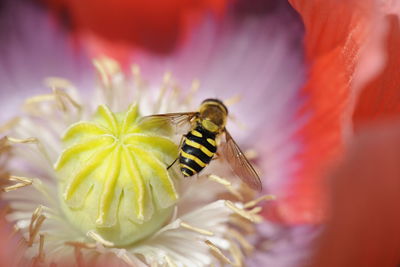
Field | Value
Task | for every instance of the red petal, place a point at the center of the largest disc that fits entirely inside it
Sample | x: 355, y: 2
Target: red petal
x: 380, y: 99
x: 364, y: 225
x: 153, y: 24
x: 335, y: 32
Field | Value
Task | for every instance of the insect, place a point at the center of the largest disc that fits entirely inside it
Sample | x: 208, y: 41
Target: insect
x: 199, y: 145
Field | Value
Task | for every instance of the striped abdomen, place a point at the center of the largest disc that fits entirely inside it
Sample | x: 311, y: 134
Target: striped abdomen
x: 197, y: 151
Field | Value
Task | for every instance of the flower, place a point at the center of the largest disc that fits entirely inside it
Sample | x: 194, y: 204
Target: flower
x: 196, y: 231
x: 110, y: 191
x: 293, y: 149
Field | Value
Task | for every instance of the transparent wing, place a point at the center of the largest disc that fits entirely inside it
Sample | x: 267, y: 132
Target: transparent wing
x: 180, y: 122
x: 239, y: 163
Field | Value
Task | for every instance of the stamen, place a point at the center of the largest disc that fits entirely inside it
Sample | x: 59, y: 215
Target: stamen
x: 242, y: 223
x: 38, y: 99
x: 255, y: 210
x: 41, y: 246
x: 240, y: 124
x: 99, y: 239
x: 236, y: 254
x: 163, y: 89
x: 193, y: 90
x: 37, y: 220
x: 106, y: 68
x: 218, y: 253
x: 176, y: 91
x: 138, y: 81
x: 196, y: 229
x: 254, y: 202
x: 232, y: 100
x: 57, y: 82
x: 102, y: 73
x: 242, y: 241
x: 39, y: 259
x: 136, y: 72
x: 21, y: 182
x: 243, y: 213
x: 251, y: 154
x: 128, y: 261
x: 3, y: 142
x: 60, y: 95
x: 219, y: 180
x: 78, y: 256
x: 30, y: 140
x: 81, y: 244
x: 9, y: 124
x: 227, y: 185
x: 15, y: 230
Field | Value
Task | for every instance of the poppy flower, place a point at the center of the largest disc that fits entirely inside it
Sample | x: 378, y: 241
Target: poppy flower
x: 76, y: 149
x: 291, y: 113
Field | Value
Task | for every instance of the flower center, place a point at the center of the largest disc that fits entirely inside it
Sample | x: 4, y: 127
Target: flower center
x: 113, y: 176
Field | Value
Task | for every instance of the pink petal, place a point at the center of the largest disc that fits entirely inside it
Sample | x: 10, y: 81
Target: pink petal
x: 31, y: 49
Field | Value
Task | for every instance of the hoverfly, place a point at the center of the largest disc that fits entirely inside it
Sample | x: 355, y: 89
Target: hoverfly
x: 198, y: 146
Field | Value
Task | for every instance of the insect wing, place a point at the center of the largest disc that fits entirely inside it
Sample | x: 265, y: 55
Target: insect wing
x: 180, y: 122
x: 239, y: 163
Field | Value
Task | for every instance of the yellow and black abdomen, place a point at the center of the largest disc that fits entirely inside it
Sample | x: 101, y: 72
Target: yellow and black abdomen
x: 197, y: 151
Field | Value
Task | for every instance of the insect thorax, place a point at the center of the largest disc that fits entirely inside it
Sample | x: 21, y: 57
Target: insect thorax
x: 213, y: 116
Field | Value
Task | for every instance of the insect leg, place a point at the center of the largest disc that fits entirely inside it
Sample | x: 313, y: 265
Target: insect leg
x: 179, y: 148
x: 172, y: 163
x: 216, y: 156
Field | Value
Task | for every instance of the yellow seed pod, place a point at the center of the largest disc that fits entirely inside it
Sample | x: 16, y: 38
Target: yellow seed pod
x: 113, y: 176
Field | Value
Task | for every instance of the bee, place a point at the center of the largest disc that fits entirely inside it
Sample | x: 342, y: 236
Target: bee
x: 199, y: 145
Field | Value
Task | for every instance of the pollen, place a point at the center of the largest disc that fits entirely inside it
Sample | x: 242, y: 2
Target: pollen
x: 113, y: 175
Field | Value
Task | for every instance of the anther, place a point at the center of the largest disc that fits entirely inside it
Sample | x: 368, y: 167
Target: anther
x: 242, y: 223
x: 196, y: 229
x: 254, y: 202
x: 227, y: 185
x: 243, y: 213
x: 233, y: 100
x: 41, y: 247
x: 193, y: 90
x: 99, y: 239
x: 9, y: 125
x: 30, y: 140
x: 21, y: 182
x: 37, y: 220
x: 240, y: 238
x: 236, y: 254
x: 81, y: 244
x: 251, y: 154
x: 218, y: 253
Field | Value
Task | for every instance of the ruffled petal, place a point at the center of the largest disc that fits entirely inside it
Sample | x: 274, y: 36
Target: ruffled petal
x: 380, y: 98
x: 336, y: 33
